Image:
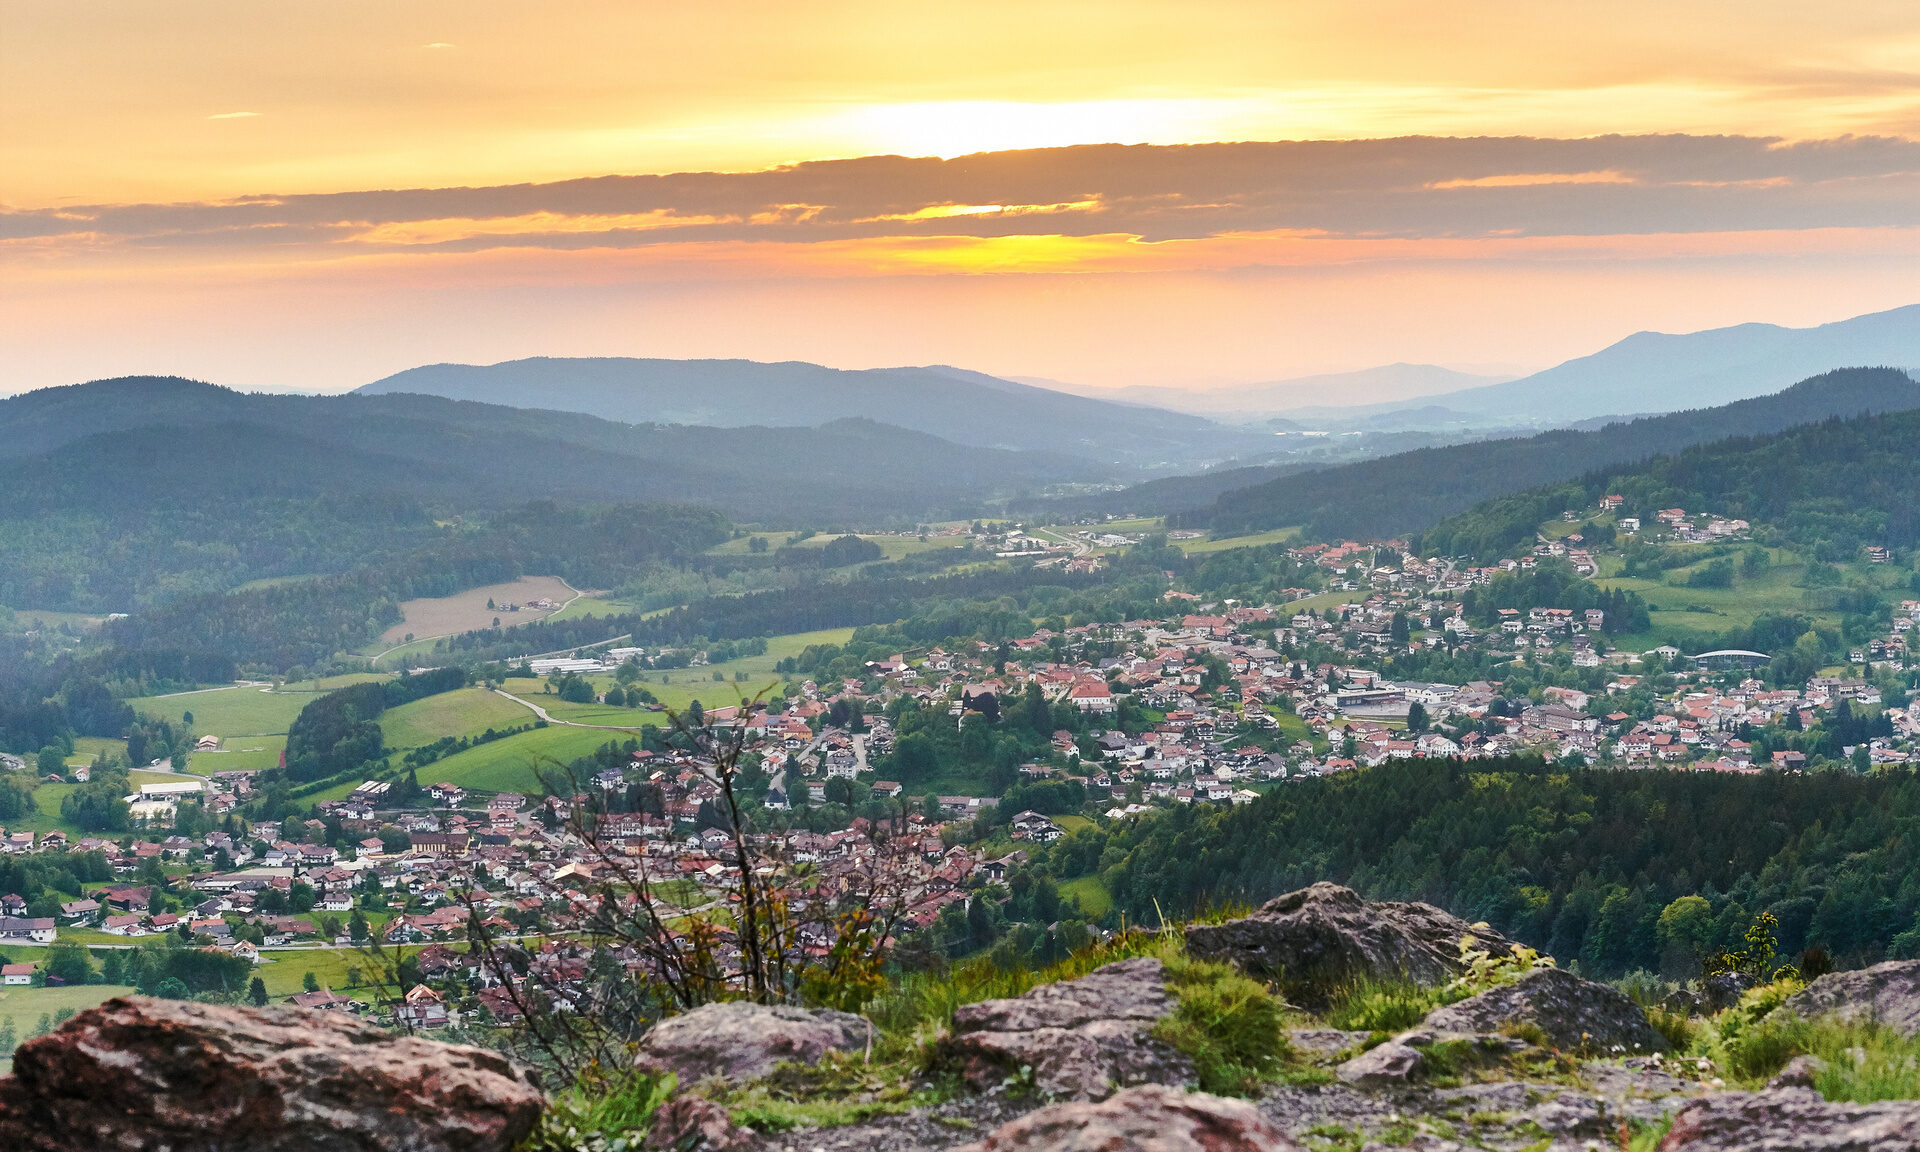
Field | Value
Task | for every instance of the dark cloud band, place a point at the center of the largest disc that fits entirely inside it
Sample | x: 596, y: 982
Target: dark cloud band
x: 1414, y: 187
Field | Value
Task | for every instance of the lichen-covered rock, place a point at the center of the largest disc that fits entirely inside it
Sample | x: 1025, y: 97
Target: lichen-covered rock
x: 1889, y: 993
x: 140, y: 1075
x: 1792, y: 1120
x: 1078, y: 1038
x: 1387, y: 1065
x: 694, y: 1124
x: 1327, y: 935
x: 1148, y: 1119
x: 738, y: 1042
x: 1573, y: 1013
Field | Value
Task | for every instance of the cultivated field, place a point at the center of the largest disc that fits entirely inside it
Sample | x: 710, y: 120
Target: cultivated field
x: 468, y: 611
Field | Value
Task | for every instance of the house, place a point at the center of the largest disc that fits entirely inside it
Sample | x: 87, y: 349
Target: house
x: 1092, y: 696
x: 39, y: 929
x: 16, y: 975
x: 324, y: 1000
x: 1030, y: 825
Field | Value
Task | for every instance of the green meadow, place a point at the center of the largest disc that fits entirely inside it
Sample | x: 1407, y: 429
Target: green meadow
x: 466, y: 712
x: 1199, y: 547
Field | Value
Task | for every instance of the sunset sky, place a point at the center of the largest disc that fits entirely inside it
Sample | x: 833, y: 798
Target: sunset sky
x: 302, y: 195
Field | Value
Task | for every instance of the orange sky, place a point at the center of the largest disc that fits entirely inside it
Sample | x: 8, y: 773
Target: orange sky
x: 1161, y: 268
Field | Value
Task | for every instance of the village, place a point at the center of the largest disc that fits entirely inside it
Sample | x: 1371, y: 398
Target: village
x: 1211, y: 704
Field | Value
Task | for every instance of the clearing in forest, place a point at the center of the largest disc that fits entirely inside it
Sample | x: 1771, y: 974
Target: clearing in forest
x: 467, y: 611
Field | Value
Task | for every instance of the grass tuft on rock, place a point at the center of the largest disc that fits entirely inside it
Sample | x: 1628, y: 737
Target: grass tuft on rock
x: 1228, y: 1024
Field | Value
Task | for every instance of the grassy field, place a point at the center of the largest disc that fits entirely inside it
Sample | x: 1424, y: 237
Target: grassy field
x: 593, y: 606
x: 239, y: 754
x: 23, y: 1007
x: 1681, y: 610
x: 1257, y: 539
x: 33, y: 619
x: 243, y: 709
x: 466, y: 712
x: 680, y: 687
x: 225, y: 712
x: 1094, y: 898
x: 510, y: 765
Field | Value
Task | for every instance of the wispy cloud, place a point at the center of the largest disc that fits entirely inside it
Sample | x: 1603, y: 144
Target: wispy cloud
x: 437, y: 44
x: 233, y: 115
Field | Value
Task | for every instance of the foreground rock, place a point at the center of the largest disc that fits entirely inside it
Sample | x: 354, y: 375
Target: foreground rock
x: 1572, y: 1013
x: 1385, y: 1065
x: 738, y: 1042
x: 1889, y: 993
x: 1080, y: 1038
x: 1792, y: 1120
x: 693, y: 1124
x: 1151, y: 1119
x: 138, y: 1074
x: 1328, y: 935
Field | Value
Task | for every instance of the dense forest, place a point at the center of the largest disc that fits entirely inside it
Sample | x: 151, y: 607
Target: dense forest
x: 1397, y: 495
x: 1619, y: 870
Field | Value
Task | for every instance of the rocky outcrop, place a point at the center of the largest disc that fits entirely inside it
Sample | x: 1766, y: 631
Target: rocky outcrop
x: 136, y: 1074
x: 1889, y: 993
x: 1573, y: 1014
x: 1151, y: 1119
x: 1792, y: 1120
x: 1327, y: 935
x: 1079, y: 1038
x: 738, y: 1042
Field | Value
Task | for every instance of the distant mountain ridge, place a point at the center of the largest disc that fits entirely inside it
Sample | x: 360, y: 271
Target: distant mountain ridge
x: 964, y: 407
x: 1406, y: 493
x: 1662, y: 372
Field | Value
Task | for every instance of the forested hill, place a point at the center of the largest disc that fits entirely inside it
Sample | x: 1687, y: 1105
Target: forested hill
x: 120, y: 494
x: 111, y: 435
x: 1828, y: 488
x: 966, y: 407
x: 1409, y: 492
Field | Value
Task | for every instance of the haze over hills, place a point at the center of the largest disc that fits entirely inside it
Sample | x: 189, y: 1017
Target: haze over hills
x: 1387, y: 383
x: 964, y: 407
x: 1405, y: 493
x: 1661, y: 372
